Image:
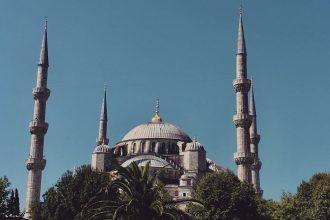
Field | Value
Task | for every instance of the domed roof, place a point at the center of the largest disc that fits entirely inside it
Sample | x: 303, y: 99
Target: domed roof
x: 156, y: 130
x: 194, y: 146
x: 102, y: 149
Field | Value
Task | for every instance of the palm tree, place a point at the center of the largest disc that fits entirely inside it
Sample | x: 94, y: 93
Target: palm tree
x: 141, y: 197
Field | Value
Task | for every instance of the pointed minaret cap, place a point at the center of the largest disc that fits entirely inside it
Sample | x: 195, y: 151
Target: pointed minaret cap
x: 104, y: 114
x: 157, y: 119
x: 43, y: 59
x: 252, y: 105
x: 241, y: 48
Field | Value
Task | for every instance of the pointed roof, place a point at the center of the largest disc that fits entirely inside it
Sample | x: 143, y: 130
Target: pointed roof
x: 252, y: 105
x: 241, y: 48
x: 104, y: 113
x: 43, y: 59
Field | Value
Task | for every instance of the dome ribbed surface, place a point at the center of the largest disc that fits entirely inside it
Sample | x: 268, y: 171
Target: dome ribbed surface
x: 193, y: 146
x: 102, y: 149
x: 155, y: 131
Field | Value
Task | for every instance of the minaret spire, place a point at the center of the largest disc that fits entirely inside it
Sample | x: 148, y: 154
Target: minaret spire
x: 242, y: 119
x: 43, y: 59
x: 102, y: 138
x: 38, y: 128
x: 241, y: 48
x: 254, y: 141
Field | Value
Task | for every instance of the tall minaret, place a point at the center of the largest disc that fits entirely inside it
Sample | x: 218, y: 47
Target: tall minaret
x: 242, y: 119
x: 254, y: 141
x: 38, y: 128
x: 102, y: 138
x: 102, y: 154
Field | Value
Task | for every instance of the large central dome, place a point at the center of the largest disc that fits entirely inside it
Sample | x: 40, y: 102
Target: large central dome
x: 159, y: 130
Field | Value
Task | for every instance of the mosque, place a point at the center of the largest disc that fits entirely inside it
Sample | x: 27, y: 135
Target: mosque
x: 180, y: 158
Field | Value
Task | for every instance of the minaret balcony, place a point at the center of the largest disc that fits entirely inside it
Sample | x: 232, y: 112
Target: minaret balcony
x: 255, y: 139
x: 242, y: 85
x: 242, y: 120
x: 256, y: 165
x: 35, y: 164
x: 37, y: 127
x: 40, y: 93
x: 243, y: 158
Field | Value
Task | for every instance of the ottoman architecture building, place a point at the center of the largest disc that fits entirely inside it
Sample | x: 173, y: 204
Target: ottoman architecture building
x: 176, y: 158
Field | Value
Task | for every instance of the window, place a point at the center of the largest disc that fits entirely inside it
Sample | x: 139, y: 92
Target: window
x: 153, y: 146
x: 184, y: 194
x: 163, y: 147
x: 143, y: 146
x: 133, y: 148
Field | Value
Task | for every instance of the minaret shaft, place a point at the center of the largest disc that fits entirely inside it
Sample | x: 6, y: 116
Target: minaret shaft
x: 242, y: 119
x: 103, y: 124
x: 38, y: 128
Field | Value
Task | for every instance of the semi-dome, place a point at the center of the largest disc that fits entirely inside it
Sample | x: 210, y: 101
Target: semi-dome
x: 156, y: 131
x: 102, y: 149
x: 194, y: 146
x: 144, y: 159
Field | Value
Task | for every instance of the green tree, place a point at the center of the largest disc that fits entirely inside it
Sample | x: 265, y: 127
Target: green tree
x: 142, y: 197
x: 225, y: 197
x: 312, y: 200
x: 9, y: 201
x: 4, y: 192
x: 71, y: 193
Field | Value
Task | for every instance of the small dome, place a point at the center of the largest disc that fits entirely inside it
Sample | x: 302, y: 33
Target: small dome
x: 194, y: 146
x: 102, y: 149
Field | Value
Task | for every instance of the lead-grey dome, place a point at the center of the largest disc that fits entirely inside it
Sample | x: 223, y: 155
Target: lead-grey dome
x: 156, y: 131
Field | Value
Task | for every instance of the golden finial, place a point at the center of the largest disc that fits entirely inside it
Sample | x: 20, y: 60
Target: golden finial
x: 46, y: 23
x: 157, y: 107
x: 157, y: 118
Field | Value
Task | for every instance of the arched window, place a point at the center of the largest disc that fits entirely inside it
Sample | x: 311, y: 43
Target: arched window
x: 143, y: 145
x: 163, y: 148
x: 133, y: 148
x: 153, y: 147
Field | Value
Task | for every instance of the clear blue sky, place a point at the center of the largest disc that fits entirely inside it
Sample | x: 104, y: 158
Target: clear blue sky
x: 182, y: 52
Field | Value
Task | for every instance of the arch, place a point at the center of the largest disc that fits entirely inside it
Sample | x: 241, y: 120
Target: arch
x: 153, y: 147
x: 133, y: 148
x: 163, y: 148
x: 143, y: 146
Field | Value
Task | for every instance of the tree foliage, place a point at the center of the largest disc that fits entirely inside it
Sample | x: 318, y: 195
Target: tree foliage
x: 71, y: 193
x: 9, y: 200
x: 225, y: 197
x: 312, y: 200
x: 142, y: 197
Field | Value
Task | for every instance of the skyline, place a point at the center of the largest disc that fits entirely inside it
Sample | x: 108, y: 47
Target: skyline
x: 161, y: 66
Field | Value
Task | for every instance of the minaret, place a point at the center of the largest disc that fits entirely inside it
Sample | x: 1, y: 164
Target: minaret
x: 254, y: 141
x: 242, y: 119
x: 38, y: 128
x: 102, y: 138
x: 102, y: 154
